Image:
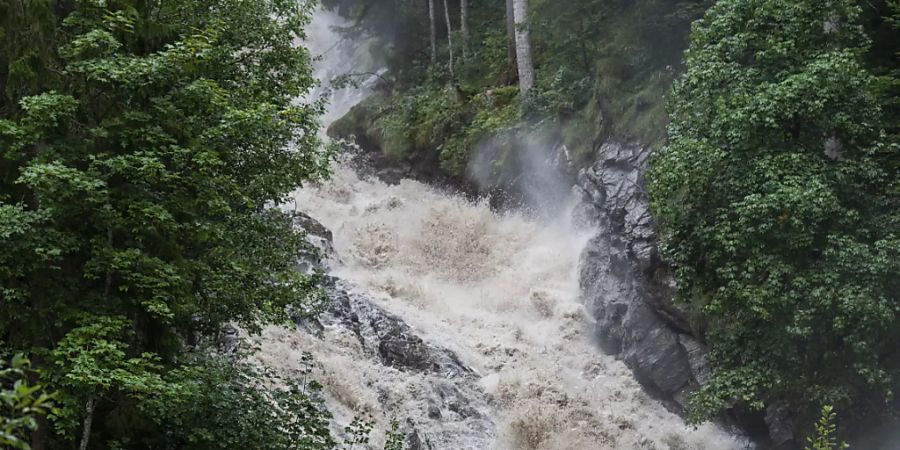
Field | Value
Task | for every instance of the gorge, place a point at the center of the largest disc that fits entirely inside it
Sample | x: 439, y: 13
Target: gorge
x: 479, y: 328
x: 449, y: 224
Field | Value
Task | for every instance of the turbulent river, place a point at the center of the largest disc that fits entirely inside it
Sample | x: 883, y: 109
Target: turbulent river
x: 498, y: 293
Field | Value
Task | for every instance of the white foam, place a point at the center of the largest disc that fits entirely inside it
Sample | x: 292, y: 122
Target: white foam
x: 500, y: 290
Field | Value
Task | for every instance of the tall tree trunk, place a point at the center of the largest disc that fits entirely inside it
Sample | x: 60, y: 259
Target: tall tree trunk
x: 464, y: 26
x: 523, y: 46
x: 510, y: 35
x: 109, y: 274
x: 88, y: 423
x: 449, y: 35
x: 433, y: 31
x: 40, y: 437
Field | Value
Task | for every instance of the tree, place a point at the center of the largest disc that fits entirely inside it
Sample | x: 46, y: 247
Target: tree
x: 464, y: 26
x: 523, y: 46
x: 778, y: 198
x: 142, y: 145
x: 449, y: 36
x: 91, y: 363
x: 432, y: 21
x: 215, y: 404
x: 510, y: 35
x: 572, y: 36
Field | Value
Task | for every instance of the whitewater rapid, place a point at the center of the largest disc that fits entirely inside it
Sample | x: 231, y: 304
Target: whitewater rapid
x: 499, y: 290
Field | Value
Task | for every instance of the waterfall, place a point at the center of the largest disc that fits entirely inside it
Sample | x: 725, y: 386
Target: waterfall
x: 462, y: 322
x: 335, y: 56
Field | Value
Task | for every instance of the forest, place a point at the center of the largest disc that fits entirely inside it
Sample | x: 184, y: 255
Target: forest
x: 149, y: 148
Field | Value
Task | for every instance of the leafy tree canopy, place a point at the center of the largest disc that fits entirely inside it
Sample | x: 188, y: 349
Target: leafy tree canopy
x: 778, y: 196
x: 141, y: 144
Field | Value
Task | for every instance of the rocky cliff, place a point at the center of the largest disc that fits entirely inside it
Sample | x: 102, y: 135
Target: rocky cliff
x: 628, y: 288
x: 625, y: 283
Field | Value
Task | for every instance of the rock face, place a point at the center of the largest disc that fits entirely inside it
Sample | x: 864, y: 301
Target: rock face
x: 625, y: 283
x: 368, y: 159
x: 629, y: 289
x: 387, y: 337
x: 530, y: 177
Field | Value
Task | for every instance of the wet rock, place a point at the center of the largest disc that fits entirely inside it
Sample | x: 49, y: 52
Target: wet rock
x: 629, y: 288
x: 781, y: 427
x: 416, y: 442
x: 696, y: 355
x: 387, y: 337
x: 369, y: 160
x: 229, y: 340
x: 449, y: 390
x: 319, y: 243
x: 624, y: 281
x: 404, y: 351
x: 312, y: 227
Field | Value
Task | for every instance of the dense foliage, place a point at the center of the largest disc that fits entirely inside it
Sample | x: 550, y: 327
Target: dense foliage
x: 217, y: 404
x: 602, y: 69
x: 141, y: 144
x: 779, y: 199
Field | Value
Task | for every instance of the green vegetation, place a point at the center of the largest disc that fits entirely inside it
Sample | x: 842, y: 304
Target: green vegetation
x: 778, y: 192
x: 21, y: 403
x: 217, y: 404
x: 395, y: 439
x: 603, y: 68
x: 825, y: 437
x: 141, y: 143
x: 778, y: 197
